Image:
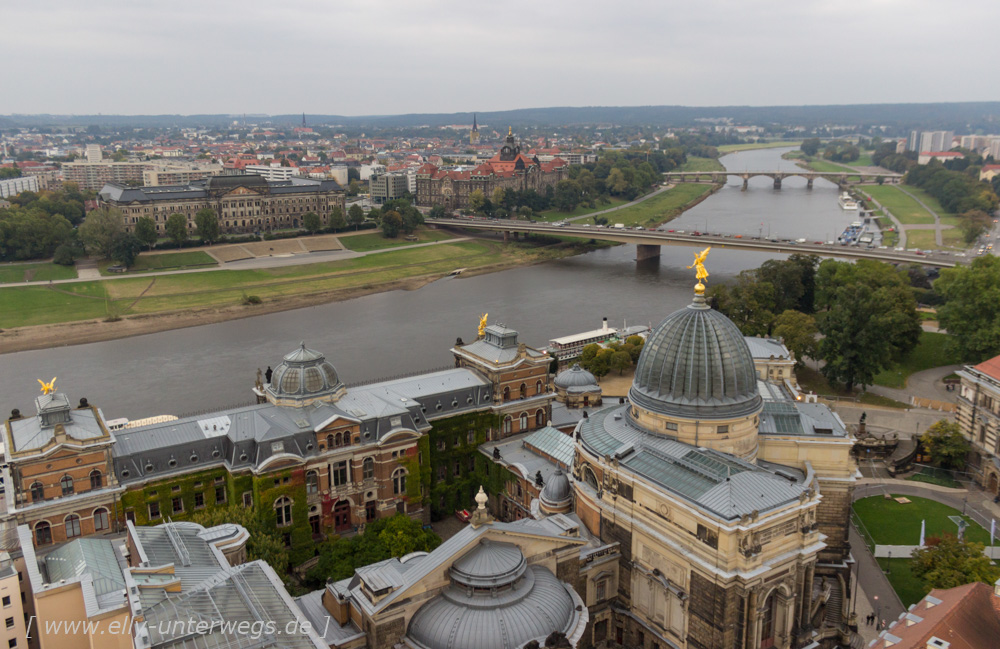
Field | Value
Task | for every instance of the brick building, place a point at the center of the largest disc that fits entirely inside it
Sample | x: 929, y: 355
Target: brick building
x: 508, y: 169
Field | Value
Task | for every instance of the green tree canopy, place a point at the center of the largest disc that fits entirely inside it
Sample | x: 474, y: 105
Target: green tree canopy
x: 971, y: 312
x: 126, y: 248
x: 311, y: 222
x: 337, y: 219
x: 567, y: 195
x: 177, y: 228
x: 944, y: 442
x: 100, y: 229
x: 477, y: 200
x: 264, y: 543
x: 437, y: 212
x: 145, y: 230
x: 207, y: 224
x: 947, y: 562
x: 810, y: 146
x: 799, y: 332
x: 391, y: 224
x: 355, y: 215
x: 621, y: 361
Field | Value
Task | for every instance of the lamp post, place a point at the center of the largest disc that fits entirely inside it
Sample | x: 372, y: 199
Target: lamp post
x: 877, y: 610
x: 888, y: 564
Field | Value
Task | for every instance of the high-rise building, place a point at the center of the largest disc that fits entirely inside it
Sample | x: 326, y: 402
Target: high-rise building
x: 93, y: 153
x: 913, y: 142
x: 387, y: 187
x: 933, y: 141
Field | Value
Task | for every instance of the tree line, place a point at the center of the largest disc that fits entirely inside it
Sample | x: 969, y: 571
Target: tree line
x: 37, y: 223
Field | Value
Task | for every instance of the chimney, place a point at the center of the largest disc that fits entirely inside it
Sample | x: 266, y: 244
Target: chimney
x: 937, y: 643
x: 604, y: 327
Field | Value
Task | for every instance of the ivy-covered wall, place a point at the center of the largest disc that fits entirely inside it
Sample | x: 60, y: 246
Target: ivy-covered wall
x: 448, y: 443
x: 290, y: 483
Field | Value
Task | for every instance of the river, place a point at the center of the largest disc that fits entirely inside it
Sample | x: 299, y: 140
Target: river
x: 386, y: 334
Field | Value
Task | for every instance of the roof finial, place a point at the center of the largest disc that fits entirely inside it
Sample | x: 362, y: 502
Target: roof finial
x: 700, y: 272
x: 510, y: 131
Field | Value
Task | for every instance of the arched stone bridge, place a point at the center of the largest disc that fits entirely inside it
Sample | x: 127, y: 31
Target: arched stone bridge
x: 842, y: 179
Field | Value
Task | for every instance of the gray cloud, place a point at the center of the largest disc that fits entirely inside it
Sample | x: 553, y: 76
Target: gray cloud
x: 378, y: 57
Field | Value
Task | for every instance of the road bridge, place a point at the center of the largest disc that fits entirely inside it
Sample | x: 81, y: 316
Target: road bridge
x: 650, y: 242
x: 841, y: 179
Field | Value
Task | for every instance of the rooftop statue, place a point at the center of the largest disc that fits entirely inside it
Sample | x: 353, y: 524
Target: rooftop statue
x: 482, y: 325
x: 699, y: 266
x: 48, y: 388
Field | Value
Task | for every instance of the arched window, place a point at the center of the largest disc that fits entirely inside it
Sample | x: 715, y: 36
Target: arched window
x: 538, y: 387
x: 339, y: 439
x: 72, y: 524
x: 67, y: 485
x: 508, y: 425
x: 329, y: 441
x: 37, y: 491
x: 312, y: 482
x: 524, y: 390
x: 347, y: 438
x: 43, y: 533
x: 283, y: 511
x: 767, y: 623
x: 523, y: 422
x: 399, y: 481
x: 506, y: 393
x: 590, y: 478
x: 96, y: 479
x: 101, y: 520
x: 368, y: 469
x: 539, y: 418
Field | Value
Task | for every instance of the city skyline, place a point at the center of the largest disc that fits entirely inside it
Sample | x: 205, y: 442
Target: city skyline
x: 381, y: 58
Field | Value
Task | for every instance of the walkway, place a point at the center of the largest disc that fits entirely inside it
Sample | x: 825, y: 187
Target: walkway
x: 937, y: 219
x: 624, y: 205
x: 900, y: 230
x: 926, y: 384
x: 885, y: 551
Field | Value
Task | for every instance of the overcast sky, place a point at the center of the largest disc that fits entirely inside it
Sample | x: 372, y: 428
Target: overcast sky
x: 363, y: 57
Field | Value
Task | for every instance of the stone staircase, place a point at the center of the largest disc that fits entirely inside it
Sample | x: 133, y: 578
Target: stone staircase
x: 834, y: 605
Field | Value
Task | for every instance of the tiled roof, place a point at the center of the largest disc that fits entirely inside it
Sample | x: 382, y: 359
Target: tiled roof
x: 990, y: 367
x: 967, y: 616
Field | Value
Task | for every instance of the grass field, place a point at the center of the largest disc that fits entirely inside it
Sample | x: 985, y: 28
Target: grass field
x: 135, y: 295
x: 695, y: 163
x: 903, y: 207
x: 922, y: 239
x: 927, y: 199
x: 375, y: 240
x: 581, y: 210
x: 747, y: 146
x: 14, y: 273
x: 864, y: 160
x: 929, y: 352
x: 661, y: 207
x: 146, y: 263
x: 892, y: 523
x: 812, y: 381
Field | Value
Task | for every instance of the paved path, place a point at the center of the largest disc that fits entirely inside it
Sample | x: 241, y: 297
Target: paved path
x: 926, y: 384
x: 937, y: 219
x: 276, y: 261
x: 896, y: 222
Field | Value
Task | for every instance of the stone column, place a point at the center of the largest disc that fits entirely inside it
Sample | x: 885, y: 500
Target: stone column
x: 646, y: 251
x: 751, y: 620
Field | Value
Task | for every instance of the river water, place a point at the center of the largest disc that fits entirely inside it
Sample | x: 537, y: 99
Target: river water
x: 386, y: 334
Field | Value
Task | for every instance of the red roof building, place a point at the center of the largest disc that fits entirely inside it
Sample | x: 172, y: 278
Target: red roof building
x: 966, y: 617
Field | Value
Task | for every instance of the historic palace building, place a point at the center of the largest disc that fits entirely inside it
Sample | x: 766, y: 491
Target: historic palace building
x: 979, y: 418
x: 242, y: 203
x: 508, y: 169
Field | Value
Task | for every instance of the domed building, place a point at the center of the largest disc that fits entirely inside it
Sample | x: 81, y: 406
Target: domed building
x: 577, y: 388
x: 304, y: 377
x: 557, y: 494
x: 730, y: 506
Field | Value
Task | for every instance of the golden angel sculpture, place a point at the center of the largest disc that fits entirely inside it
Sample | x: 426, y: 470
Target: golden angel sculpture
x: 48, y: 388
x: 699, y: 266
x: 482, y: 325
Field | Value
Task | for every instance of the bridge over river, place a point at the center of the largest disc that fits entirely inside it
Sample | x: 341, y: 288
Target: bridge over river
x: 841, y: 179
x: 649, y: 242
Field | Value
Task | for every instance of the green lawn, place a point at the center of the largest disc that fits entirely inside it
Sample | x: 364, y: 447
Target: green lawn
x: 909, y: 588
x: 903, y: 207
x: 695, y: 163
x: 375, y: 240
x: 662, y: 207
x: 746, y: 146
x: 581, y: 210
x: 818, y: 164
x: 14, y: 273
x: 927, y: 199
x: 864, y: 160
x: 929, y: 352
x: 34, y: 305
x: 812, y: 381
x: 147, y: 263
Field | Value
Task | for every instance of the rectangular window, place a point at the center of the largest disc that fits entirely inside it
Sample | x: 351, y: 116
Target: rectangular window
x: 339, y: 473
x: 600, y: 592
x: 671, y: 425
x: 220, y: 495
x: 9, y: 622
x: 199, y: 500
x: 12, y: 642
x: 6, y: 601
x: 154, y: 511
x: 176, y: 505
x: 248, y: 499
x: 722, y: 430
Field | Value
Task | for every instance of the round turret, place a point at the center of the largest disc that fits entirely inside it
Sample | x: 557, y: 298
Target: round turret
x: 304, y: 376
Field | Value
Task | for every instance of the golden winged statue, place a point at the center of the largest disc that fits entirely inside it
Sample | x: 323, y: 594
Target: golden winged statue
x: 699, y: 266
x: 482, y: 325
x: 48, y: 388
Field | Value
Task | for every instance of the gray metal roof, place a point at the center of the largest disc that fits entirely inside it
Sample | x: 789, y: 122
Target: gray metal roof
x: 311, y: 605
x: 489, y: 564
x: 696, y: 364
x: 717, y: 482
x: 795, y: 418
x: 29, y: 433
x: 767, y: 348
x: 576, y: 378
x: 97, y: 557
x: 204, y: 189
x: 557, y: 488
x: 554, y: 443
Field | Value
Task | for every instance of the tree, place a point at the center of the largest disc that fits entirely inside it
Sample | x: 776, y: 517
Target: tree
x: 567, y: 195
x: 588, y: 353
x: 391, y: 224
x: 145, y: 231
x: 477, y: 200
x: 974, y: 224
x: 311, y: 222
x: 971, y: 312
x: 207, y: 224
x: 947, y: 562
x: 99, y: 230
x: 621, y: 361
x: 498, y: 195
x: 177, y: 228
x: 750, y: 303
x: 337, y: 219
x: 601, y: 363
x: 411, y: 219
x: 798, y: 331
x: 12, y: 171
x: 810, y: 146
x: 126, y: 248
x: 945, y: 444
x: 355, y: 215
x: 437, y: 212
x: 263, y: 544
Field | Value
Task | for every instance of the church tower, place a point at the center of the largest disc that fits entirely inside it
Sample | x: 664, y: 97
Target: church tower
x: 474, y: 133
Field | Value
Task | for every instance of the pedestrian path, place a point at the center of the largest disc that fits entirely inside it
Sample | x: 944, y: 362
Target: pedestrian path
x: 886, y: 551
